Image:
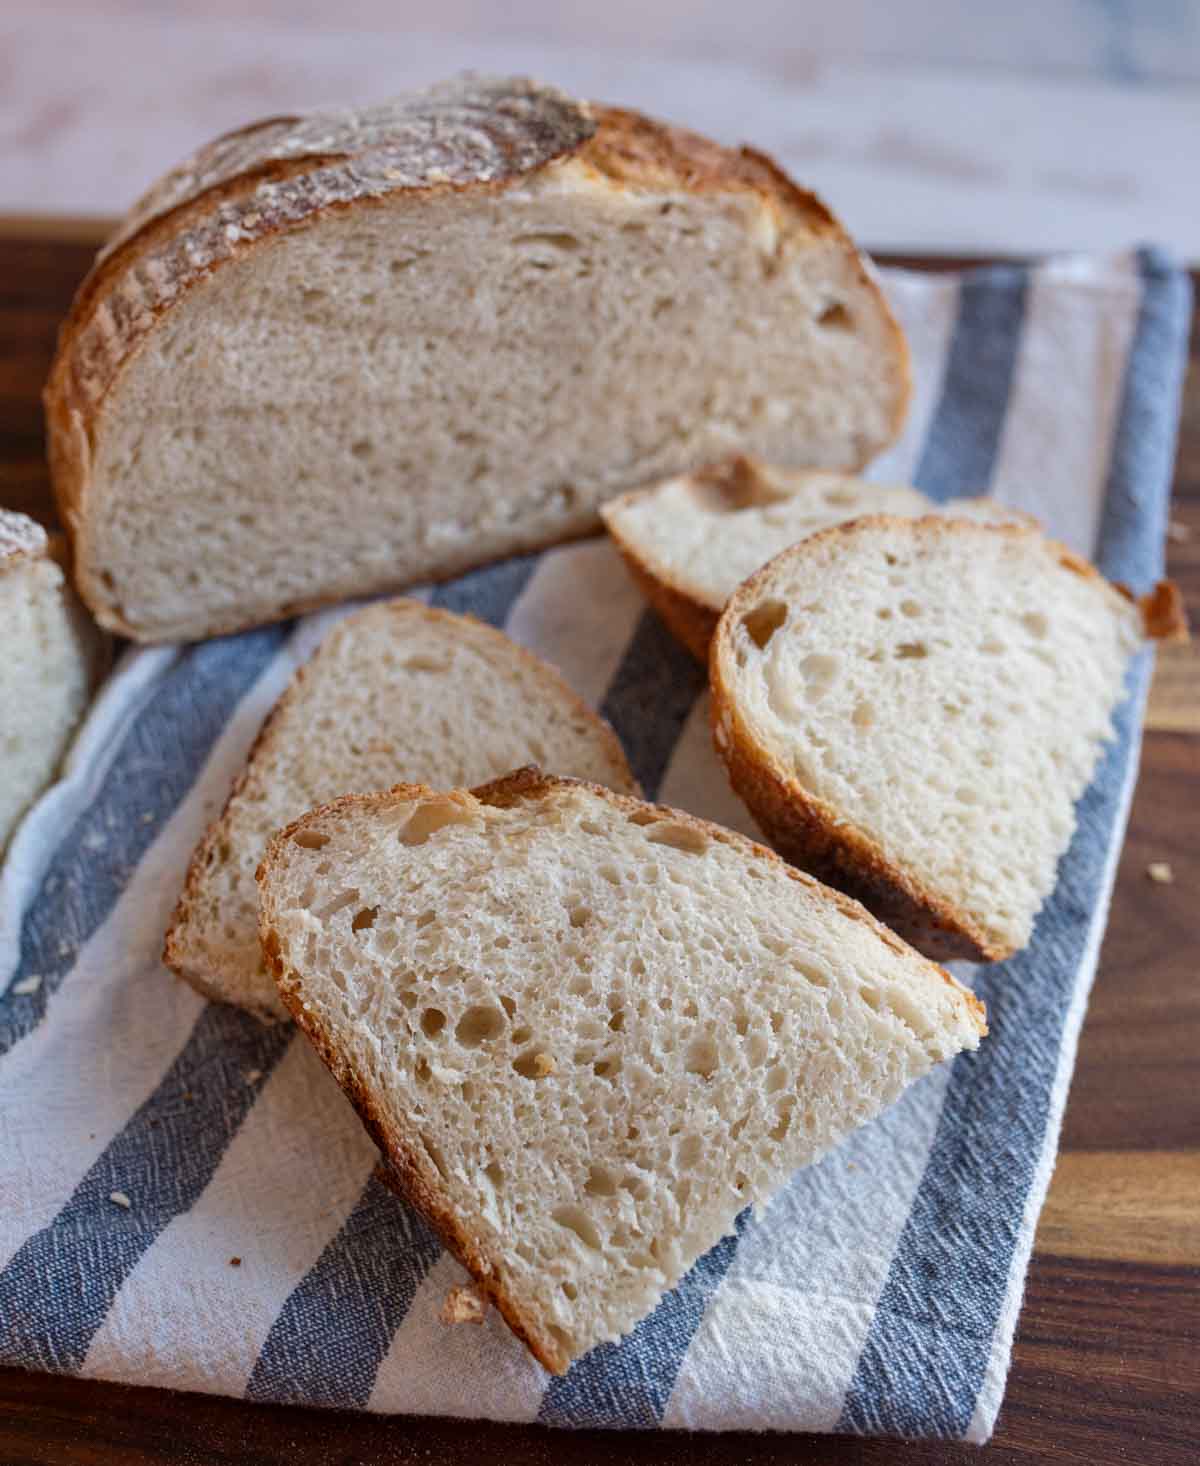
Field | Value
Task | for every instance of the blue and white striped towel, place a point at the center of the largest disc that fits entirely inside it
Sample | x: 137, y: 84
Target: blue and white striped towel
x: 879, y: 1291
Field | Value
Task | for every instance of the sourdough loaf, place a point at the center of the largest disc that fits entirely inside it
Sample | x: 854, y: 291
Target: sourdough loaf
x: 585, y: 1031
x: 337, y: 354
x: 910, y: 708
x: 395, y: 691
x: 51, y: 657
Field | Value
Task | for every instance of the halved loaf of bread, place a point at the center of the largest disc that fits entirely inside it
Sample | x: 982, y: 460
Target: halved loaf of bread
x: 911, y: 708
x: 585, y: 1031
x: 395, y: 691
x: 343, y: 353
x: 51, y: 657
x: 691, y: 540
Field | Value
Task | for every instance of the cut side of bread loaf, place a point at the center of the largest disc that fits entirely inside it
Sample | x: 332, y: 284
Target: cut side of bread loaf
x: 51, y: 657
x: 911, y: 708
x: 585, y: 1031
x: 395, y: 692
x: 344, y: 353
x: 691, y: 540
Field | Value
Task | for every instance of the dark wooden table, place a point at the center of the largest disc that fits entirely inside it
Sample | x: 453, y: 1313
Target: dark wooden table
x: 1107, y: 1359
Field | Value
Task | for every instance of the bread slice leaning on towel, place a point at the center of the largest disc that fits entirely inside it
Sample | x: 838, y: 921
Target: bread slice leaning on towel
x: 691, y: 540
x: 395, y: 691
x: 51, y: 657
x: 910, y: 708
x: 586, y: 1031
x: 343, y: 353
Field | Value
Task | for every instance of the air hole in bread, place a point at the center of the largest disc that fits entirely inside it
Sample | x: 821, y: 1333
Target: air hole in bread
x: 579, y: 987
x: 478, y: 1024
x: 591, y: 827
x: 1036, y: 624
x: 863, y: 715
x: 764, y: 621
x: 362, y: 448
x: 835, y: 317
x: 364, y: 920
x: 776, y: 1022
x: 870, y: 997
x: 433, y: 1020
x: 776, y: 1079
x: 617, y: 1021
x: 911, y: 651
x: 689, y: 1151
x: 430, y: 817
x: 608, y: 1067
x: 993, y: 648
x: 610, y: 874
x: 661, y: 306
x: 507, y: 1004
x: 559, y: 240
x: 644, y: 817
x: 783, y: 1122
x: 576, y: 1220
x: 702, y: 1057
x: 579, y: 915
x: 966, y: 795
x: 534, y: 1063
x: 678, y: 837
x: 310, y: 840
x: 819, y: 672
x: 884, y: 613
x: 910, y: 607
x: 569, y: 1290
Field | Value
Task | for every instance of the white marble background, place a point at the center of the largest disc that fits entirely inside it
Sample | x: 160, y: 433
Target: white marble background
x: 999, y: 125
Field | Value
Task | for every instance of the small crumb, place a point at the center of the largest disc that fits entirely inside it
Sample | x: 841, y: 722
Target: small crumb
x: 1178, y: 533
x: 118, y: 1198
x: 253, y: 1076
x: 1161, y: 872
x: 188, y: 1096
x: 64, y: 949
x: 147, y: 816
x: 27, y: 985
x: 544, y: 1064
x: 235, y: 1262
x: 464, y: 1304
x: 250, y: 220
x: 94, y: 841
x: 850, y: 1166
x: 91, y: 1135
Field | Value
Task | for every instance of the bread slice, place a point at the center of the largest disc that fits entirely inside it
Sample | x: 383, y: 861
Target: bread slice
x: 911, y: 708
x: 395, y: 691
x: 51, y: 657
x: 343, y: 353
x: 691, y: 540
x: 585, y: 1031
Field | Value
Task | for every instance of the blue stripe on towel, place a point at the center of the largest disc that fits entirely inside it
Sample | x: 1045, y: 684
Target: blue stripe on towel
x: 961, y: 444
x: 60, y: 1284
x: 628, y: 1384
x: 1134, y: 523
x: 488, y: 594
x: 163, y: 752
x: 331, y: 1336
x: 648, y: 701
x: 924, y: 1360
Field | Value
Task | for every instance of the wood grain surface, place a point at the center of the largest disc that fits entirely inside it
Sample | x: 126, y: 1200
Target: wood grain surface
x: 1107, y: 1359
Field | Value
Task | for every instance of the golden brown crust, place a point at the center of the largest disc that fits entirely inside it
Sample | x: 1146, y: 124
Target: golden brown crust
x: 407, y: 1169
x: 1164, y: 617
x: 175, y: 951
x: 687, y: 619
x: 806, y: 829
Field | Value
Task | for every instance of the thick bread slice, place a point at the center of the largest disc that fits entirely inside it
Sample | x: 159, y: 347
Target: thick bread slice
x: 344, y: 353
x: 691, y: 540
x: 395, y: 691
x: 911, y: 708
x: 51, y: 657
x: 586, y: 1031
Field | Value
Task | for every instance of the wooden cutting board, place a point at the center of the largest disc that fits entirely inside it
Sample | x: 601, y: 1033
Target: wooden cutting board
x: 1107, y: 1359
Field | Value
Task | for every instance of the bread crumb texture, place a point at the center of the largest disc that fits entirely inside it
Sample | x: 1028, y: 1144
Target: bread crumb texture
x: 587, y: 1031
